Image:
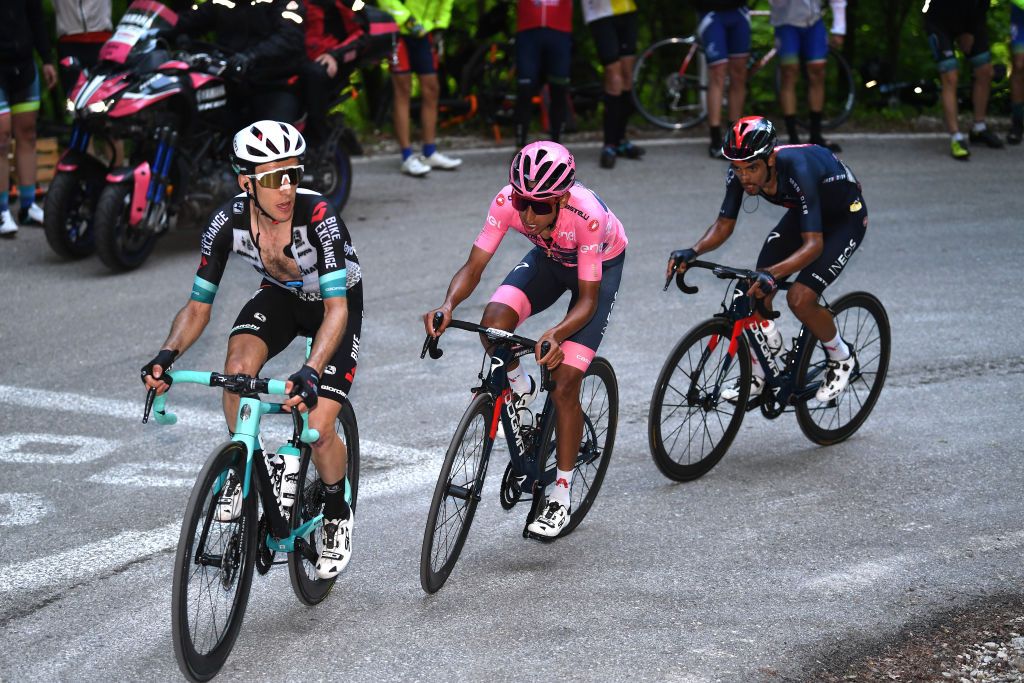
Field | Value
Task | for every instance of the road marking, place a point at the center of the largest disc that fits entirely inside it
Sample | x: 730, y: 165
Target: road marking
x: 24, y: 509
x: 54, y: 449
x: 102, y: 557
x: 145, y: 475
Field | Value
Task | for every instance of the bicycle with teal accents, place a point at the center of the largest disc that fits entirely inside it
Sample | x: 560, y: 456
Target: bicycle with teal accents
x: 215, y: 559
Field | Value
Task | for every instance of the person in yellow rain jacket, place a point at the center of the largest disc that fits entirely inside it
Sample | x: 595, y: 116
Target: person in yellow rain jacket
x: 420, y: 20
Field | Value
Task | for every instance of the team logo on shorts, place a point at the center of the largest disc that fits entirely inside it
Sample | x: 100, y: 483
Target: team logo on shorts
x: 259, y: 316
x: 330, y: 370
x: 500, y: 199
x: 593, y: 225
x: 856, y: 206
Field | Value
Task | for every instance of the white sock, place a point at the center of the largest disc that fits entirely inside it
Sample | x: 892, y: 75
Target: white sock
x: 519, y: 380
x: 979, y: 126
x: 562, y: 490
x: 837, y: 348
x: 958, y: 136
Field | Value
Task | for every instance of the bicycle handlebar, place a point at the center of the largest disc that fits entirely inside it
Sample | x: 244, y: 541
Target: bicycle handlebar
x: 723, y: 273
x: 493, y: 334
x: 237, y: 384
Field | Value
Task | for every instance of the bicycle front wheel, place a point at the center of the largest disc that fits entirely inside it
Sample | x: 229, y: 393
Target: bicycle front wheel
x: 212, y: 568
x: 309, y: 502
x: 670, y: 84
x: 599, y: 399
x: 690, y: 426
x: 864, y: 326
x: 456, y: 494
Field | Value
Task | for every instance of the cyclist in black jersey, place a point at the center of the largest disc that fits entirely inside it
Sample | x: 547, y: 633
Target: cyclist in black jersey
x: 824, y: 226
x: 312, y: 286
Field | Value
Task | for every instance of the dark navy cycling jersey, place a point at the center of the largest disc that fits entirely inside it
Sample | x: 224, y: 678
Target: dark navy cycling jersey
x: 321, y: 249
x: 812, y: 180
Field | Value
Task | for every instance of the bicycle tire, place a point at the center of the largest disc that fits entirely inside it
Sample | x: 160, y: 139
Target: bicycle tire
x: 840, y: 93
x: 600, y: 421
x: 872, y: 353
x: 203, y: 663
x: 469, y: 468
x: 663, y: 94
x: 714, y: 371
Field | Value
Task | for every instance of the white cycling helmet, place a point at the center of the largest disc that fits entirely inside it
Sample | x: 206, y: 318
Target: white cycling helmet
x: 263, y: 142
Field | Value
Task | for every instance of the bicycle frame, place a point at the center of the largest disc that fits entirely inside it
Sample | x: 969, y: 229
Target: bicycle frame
x: 246, y: 432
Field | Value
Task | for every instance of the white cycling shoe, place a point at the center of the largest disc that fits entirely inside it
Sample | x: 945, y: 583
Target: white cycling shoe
x: 334, y: 547
x: 229, y: 504
x: 836, y: 379
x: 733, y: 393
x: 442, y: 161
x: 415, y: 167
x: 552, y: 519
x: 8, y: 228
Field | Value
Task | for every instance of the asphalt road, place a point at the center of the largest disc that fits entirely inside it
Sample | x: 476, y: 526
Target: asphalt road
x: 784, y: 557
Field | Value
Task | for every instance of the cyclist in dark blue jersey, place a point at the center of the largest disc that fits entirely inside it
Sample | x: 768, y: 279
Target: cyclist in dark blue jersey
x: 312, y: 286
x: 824, y: 226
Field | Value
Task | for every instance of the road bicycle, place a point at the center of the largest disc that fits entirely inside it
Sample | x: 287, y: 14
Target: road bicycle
x: 215, y: 559
x: 690, y: 425
x: 531, y: 447
x: 670, y: 82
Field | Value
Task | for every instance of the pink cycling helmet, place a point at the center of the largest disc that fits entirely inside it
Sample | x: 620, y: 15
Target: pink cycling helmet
x: 542, y: 170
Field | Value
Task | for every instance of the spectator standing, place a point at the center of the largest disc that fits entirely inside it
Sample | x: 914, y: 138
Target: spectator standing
x: 1017, y: 77
x: 613, y: 25
x: 417, y: 54
x: 800, y: 35
x: 543, y: 48
x: 22, y: 32
x: 964, y: 24
x: 724, y: 31
x: 82, y: 28
x: 334, y: 38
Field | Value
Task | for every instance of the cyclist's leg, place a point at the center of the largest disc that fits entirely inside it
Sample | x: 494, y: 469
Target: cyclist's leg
x: 626, y: 30
x: 24, y: 112
x: 528, y: 63
x: 738, y: 42
x: 976, y: 50
x: 329, y: 452
x: 264, y: 327
x: 401, y: 84
x: 423, y: 59
x: 604, y: 34
x: 787, y: 42
x: 531, y: 287
x: 814, y: 49
x: 941, y: 41
x: 712, y: 33
x: 558, y: 62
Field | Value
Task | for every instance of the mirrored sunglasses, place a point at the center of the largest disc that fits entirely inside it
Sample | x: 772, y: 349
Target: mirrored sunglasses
x: 520, y: 203
x: 275, y: 179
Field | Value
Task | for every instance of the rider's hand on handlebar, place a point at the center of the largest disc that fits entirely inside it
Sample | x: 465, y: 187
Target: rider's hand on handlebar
x: 763, y: 286
x: 154, y: 370
x: 302, y: 387
x: 428, y: 321
x: 554, y: 355
x: 678, y: 260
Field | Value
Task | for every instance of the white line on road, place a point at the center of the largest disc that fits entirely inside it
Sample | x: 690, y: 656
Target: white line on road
x: 145, y: 475
x: 71, y: 566
x: 23, y: 509
x: 39, y: 449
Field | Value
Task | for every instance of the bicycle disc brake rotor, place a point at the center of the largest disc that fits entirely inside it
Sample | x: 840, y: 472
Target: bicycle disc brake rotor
x: 232, y: 558
x: 264, y: 555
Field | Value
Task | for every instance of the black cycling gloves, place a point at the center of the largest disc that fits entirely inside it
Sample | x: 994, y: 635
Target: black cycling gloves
x: 686, y: 256
x: 304, y: 385
x: 164, y: 359
x: 765, y: 282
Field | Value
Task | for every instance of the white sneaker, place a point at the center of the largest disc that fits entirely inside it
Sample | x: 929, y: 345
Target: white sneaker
x: 414, y: 166
x: 229, y: 505
x: 334, y: 546
x: 552, y: 519
x: 33, y: 215
x: 445, y: 163
x: 836, y: 379
x: 733, y: 393
x: 8, y: 228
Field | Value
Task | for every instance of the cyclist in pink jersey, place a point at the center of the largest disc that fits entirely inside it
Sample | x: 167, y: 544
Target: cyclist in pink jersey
x: 579, y: 246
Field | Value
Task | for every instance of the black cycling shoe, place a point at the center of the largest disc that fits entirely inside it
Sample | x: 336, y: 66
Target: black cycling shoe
x: 608, y: 157
x: 987, y: 138
x: 630, y: 151
x: 1015, y: 135
x: 830, y: 146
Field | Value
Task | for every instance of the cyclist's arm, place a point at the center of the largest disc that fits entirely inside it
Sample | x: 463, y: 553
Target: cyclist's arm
x: 332, y: 329
x: 188, y: 326
x: 462, y: 285
x: 716, y: 235
x: 838, y: 17
x: 331, y: 245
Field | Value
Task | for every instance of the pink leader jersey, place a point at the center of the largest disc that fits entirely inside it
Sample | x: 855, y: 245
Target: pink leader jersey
x: 585, y: 235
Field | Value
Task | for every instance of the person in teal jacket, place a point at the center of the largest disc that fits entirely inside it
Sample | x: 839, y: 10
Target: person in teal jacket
x: 416, y: 53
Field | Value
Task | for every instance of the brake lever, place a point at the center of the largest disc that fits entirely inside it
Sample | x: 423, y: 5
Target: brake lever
x: 430, y: 343
x: 150, y: 397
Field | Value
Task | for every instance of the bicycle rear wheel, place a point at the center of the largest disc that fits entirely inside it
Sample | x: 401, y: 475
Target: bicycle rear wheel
x: 864, y: 326
x: 599, y: 399
x: 690, y: 427
x: 670, y: 82
x: 212, y: 569
x: 456, y: 494
x: 309, y: 502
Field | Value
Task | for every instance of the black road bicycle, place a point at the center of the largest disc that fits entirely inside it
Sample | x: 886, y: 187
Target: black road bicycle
x: 690, y: 426
x: 215, y: 558
x: 531, y: 449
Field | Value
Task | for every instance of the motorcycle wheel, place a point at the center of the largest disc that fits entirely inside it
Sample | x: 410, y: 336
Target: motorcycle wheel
x: 333, y: 176
x: 120, y: 246
x: 68, y: 221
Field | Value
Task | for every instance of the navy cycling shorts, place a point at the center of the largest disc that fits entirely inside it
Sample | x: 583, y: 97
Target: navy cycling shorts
x: 725, y: 35
x: 543, y: 52
x: 615, y: 37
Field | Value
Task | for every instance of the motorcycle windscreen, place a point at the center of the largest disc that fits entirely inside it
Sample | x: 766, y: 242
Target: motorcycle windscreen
x: 143, y: 18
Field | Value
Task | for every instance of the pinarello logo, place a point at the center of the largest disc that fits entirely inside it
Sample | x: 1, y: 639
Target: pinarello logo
x: 319, y: 211
x: 500, y: 199
x: 593, y: 226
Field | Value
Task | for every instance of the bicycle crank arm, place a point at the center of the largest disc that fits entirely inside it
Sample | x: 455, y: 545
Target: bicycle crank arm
x: 309, y: 552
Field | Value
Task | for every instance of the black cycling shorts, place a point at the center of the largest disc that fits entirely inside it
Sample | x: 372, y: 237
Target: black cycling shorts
x: 277, y: 316
x: 947, y: 20
x: 615, y: 37
x: 845, y: 234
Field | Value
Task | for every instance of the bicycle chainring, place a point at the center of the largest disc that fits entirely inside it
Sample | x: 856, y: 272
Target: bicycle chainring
x: 264, y: 555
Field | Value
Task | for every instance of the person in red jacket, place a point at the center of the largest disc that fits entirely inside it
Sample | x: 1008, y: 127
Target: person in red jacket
x: 543, y: 49
x: 334, y: 38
